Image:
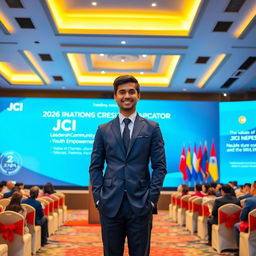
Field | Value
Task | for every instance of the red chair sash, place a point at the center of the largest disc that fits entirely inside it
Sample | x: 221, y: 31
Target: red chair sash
x: 178, y: 202
x: 184, y: 204
x: 55, y: 204
x: 243, y: 227
x: 8, y: 231
x: 61, y: 201
x: 205, y: 210
x: 51, y: 207
x: 197, y: 208
x: 229, y: 219
x: 30, y: 218
x: 252, y: 226
x: 46, y: 210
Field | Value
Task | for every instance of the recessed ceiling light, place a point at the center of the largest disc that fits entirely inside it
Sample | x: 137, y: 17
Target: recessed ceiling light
x: 225, y: 94
x: 94, y: 3
x: 63, y: 87
x: 123, y: 42
x: 144, y: 55
x: 141, y: 72
x: 102, y: 54
x: 184, y: 89
x: 102, y: 72
x: 122, y: 60
x: 153, y: 4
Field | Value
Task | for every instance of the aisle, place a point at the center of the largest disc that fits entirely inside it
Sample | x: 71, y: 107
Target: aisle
x: 167, y: 239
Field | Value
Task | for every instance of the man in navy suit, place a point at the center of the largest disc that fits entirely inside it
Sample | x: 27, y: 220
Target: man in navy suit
x: 40, y: 219
x: 126, y: 194
x: 249, y: 205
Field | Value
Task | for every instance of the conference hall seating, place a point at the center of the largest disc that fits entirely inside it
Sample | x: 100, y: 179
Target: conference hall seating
x: 248, y: 240
x: 4, y: 202
x: 223, y: 236
x: 202, y: 230
x: 12, y: 234
x: 34, y: 230
x: 182, y: 210
x: 3, y: 250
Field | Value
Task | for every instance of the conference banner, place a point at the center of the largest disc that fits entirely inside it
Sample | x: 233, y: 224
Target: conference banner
x: 51, y: 139
x: 238, y: 141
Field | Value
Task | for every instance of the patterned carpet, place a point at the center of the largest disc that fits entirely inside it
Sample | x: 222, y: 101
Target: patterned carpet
x: 168, y: 239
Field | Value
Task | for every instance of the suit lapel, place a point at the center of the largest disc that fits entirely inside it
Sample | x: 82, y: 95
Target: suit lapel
x: 138, y: 125
x: 117, y: 133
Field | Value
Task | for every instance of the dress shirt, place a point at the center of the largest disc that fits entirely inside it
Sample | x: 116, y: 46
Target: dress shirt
x: 132, y: 117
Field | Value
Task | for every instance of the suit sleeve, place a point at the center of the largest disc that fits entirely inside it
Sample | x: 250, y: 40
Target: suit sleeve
x: 97, y: 165
x: 158, y: 164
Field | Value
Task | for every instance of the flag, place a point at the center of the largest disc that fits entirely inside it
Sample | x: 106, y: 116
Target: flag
x: 200, y: 173
x: 189, y: 164
x: 204, y: 162
x: 194, y: 164
x: 182, y: 166
x: 213, y: 166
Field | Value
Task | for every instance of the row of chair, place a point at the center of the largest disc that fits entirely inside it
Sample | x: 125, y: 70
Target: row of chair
x: 12, y: 225
x: 193, y: 214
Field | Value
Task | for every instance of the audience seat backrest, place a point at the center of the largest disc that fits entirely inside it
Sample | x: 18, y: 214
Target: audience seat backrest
x: 4, y: 202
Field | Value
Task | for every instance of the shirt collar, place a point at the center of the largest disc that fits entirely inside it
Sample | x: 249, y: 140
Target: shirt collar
x: 132, y: 117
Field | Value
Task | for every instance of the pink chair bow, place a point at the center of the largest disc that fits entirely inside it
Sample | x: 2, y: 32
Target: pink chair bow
x: 229, y: 219
x: 8, y: 231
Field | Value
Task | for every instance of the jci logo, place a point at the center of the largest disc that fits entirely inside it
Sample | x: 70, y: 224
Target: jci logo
x: 15, y: 107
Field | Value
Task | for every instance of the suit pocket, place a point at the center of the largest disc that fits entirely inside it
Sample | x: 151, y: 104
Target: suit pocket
x: 107, y: 182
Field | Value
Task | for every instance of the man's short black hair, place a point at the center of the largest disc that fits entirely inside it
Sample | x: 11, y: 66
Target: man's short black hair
x: 198, y: 187
x: 226, y: 188
x: 125, y: 79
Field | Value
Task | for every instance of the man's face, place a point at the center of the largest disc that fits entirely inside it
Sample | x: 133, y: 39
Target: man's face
x: 126, y: 97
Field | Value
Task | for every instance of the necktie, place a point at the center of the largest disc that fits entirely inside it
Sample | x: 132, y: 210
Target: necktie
x: 126, y: 134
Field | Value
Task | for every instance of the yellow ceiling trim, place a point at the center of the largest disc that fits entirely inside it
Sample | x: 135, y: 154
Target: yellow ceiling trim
x: 33, y: 61
x: 85, y: 78
x: 18, y: 78
x: 7, y: 25
x: 211, y: 70
x: 245, y: 23
x: 123, y: 21
x: 105, y: 63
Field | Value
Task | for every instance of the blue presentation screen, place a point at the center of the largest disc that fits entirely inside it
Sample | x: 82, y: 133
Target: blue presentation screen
x: 238, y: 141
x: 50, y: 140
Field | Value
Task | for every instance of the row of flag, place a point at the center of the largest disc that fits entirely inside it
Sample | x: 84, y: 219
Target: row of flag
x: 199, y: 166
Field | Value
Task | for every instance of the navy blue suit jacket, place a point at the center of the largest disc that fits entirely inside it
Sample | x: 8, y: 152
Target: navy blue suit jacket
x: 249, y: 205
x: 38, y: 207
x: 127, y: 171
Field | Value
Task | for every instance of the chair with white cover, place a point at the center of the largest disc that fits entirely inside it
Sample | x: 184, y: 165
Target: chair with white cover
x: 202, y: 230
x: 182, y: 210
x: 52, y: 213
x: 12, y: 234
x: 46, y: 208
x: 63, y: 205
x: 192, y: 216
x: 223, y: 236
x: 188, y: 212
x: 171, y: 203
x: 57, y: 209
x: 176, y: 206
x: 4, y: 202
x: 34, y: 230
x: 247, y: 242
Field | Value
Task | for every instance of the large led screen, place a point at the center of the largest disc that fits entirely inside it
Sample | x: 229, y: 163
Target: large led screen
x: 50, y: 140
x: 238, y: 141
